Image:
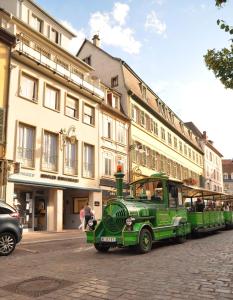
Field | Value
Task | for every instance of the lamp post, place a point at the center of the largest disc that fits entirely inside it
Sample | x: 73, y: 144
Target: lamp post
x: 136, y: 170
x: 67, y: 135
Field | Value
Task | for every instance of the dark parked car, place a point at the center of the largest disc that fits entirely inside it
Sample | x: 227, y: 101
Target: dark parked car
x: 10, y: 228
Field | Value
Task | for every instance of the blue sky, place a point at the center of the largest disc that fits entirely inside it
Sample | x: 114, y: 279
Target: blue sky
x: 164, y: 42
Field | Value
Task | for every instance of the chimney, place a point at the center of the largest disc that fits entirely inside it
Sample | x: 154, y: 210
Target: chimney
x: 204, y: 135
x: 96, y: 40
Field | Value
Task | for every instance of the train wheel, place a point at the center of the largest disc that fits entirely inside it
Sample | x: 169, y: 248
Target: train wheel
x: 180, y: 239
x: 101, y: 247
x: 145, y: 241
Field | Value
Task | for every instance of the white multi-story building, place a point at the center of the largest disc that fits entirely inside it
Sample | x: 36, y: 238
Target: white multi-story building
x: 53, y: 116
x: 158, y: 139
x: 213, y: 174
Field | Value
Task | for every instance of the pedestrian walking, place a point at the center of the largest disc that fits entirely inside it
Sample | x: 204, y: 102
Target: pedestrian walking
x: 87, y: 214
x: 82, y: 218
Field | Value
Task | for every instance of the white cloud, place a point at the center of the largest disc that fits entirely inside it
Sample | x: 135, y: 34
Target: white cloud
x: 76, y: 42
x: 120, y: 12
x: 112, y: 30
x: 153, y: 23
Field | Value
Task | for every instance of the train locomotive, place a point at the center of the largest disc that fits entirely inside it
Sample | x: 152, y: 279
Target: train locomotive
x: 153, y: 211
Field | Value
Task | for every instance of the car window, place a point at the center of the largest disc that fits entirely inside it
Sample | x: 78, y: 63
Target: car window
x: 4, y: 210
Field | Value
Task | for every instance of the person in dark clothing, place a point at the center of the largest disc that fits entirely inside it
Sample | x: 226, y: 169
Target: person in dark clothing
x: 87, y: 214
x: 199, y: 205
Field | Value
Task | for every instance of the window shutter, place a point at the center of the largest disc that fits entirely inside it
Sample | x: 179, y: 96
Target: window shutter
x: 2, y: 127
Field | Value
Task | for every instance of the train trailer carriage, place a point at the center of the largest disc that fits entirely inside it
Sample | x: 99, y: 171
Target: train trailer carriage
x: 208, y: 217
x: 155, y: 210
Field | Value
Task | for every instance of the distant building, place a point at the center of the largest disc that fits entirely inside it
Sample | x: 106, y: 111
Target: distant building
x: 212, y: 161
x: 158, y: 139
x: 227, y: 167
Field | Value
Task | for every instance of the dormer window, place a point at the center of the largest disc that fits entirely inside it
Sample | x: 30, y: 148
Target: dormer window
x: 114, y: 81
x: 54, y: 36
x: 87, y: 60
x: 37, y: 24
x: 143, y: 90
x: 113, y: 100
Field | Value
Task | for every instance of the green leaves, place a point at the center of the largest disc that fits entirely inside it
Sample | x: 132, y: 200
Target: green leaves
x: 221, y: 62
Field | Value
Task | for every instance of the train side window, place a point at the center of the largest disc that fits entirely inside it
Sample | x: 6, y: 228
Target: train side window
x: 173, y: 196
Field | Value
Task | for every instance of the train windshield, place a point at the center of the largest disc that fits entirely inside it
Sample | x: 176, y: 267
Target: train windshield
x: 150, y: 190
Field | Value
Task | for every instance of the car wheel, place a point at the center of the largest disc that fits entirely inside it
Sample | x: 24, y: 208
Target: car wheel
x: 145, y: 241
x: 7, y: 243
x: 101, y: 247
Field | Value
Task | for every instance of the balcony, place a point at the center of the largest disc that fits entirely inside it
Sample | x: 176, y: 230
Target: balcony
x: 57, y: 64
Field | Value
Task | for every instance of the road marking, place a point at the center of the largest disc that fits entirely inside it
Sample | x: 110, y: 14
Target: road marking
x: 82, y: 249
x: 28, y: 250
x: 53, y: 240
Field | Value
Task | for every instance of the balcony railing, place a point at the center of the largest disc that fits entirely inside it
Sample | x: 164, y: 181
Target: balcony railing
x: 57, y: 64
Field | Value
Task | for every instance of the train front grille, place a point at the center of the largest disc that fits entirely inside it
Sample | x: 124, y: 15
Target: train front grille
x: 114, y: 217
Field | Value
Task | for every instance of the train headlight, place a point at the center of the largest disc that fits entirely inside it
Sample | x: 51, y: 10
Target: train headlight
x: 129, y: 221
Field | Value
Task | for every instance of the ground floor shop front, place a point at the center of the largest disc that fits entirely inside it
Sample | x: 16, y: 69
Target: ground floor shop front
x: 47, y: 208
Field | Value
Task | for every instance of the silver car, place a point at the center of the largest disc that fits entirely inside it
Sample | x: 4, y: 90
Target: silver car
x: 10, y: 229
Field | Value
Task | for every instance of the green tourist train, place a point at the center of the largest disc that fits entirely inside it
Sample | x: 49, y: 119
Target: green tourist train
x: 157, y: 208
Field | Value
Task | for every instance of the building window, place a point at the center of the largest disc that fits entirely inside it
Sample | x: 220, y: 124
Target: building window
x: 25, y: 145
x: 134, y: 113
x: 211, y: 158
x: 180, y: 147
x: 231, y: 175
x: 88, y: 161
x: 28, y: 87
x: 163, y: 137
x: 50, y: 151
x: 88, y: 114
x: 107, y: 127
x: 185, y: 150
x: 113, y: 100
x: 175, y: 142
x: 37, y: 24
x: 87, y: 60
x: 120, y: 132
x: 189, y: 151
x: 108, y: 159
x: 72, y: 107
x: 70, y: 159
x: 169, y: 138
x: 51, y: 98
x: 114, y: 81
x: 148, y: 122
x: 54, y: 35
x: 143, y: 120
x: 225, y: 176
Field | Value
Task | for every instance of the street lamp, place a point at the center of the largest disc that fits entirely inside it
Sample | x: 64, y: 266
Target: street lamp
x: 67, y: 135
x: 136, y: 170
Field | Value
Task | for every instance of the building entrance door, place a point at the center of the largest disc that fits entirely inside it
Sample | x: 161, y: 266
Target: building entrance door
x: 40, y: 214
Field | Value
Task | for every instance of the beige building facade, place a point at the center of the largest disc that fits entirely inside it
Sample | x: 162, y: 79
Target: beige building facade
x: 53, y: 123
x: 158, y: 139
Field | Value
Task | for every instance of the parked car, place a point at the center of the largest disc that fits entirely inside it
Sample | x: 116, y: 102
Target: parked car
x: 10, y: 229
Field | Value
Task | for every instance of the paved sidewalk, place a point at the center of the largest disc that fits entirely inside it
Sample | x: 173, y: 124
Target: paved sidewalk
x: 45, y: 236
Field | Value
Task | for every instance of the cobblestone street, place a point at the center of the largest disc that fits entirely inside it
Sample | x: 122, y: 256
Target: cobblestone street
x: 71, y: 269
